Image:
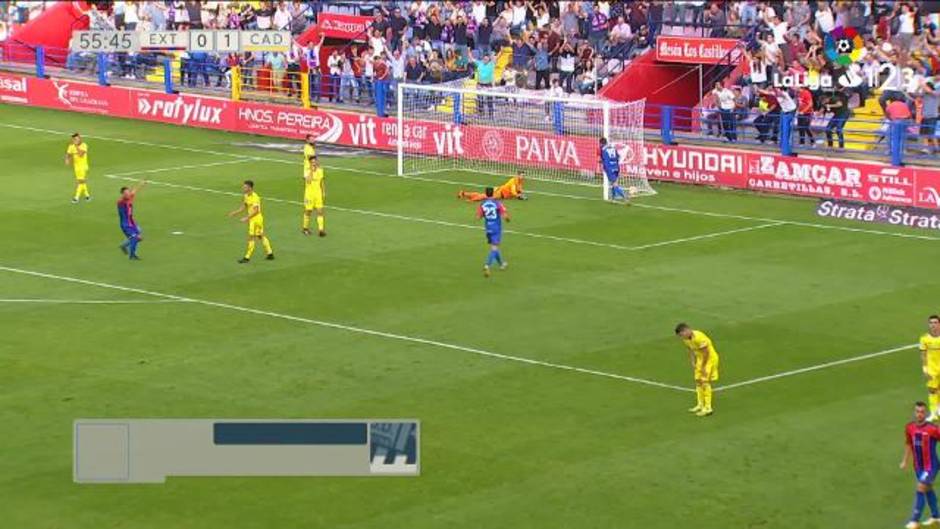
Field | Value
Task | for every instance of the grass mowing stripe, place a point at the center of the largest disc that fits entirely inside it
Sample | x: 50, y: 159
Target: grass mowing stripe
x: 125, y: 176
x: 348, y: 328
x: 450, y: 182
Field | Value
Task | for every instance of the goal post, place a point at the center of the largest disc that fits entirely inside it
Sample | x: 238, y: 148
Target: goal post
x: 459, y: 127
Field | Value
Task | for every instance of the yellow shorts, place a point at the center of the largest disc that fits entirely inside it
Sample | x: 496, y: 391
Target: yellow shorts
x: 256, y: 226
x: 933, y: 379
x: 313, y: 201
x: 711, y: 370
x: 80, y: 173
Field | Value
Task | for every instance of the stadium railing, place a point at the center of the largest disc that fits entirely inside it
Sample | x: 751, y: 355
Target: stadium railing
x: 894, y: 141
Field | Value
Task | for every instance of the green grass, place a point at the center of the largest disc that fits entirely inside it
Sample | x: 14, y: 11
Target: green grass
x: 504, y: 443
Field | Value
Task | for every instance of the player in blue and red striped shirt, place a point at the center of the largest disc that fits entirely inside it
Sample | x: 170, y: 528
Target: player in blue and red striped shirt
x: 493, y: 212
x: 920, y: 445
x: 125, y: 207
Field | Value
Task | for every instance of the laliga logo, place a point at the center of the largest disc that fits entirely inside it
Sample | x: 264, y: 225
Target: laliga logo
x: 844, y: 46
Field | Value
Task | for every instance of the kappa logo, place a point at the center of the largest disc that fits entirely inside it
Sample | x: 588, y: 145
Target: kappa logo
x: 180, y: 111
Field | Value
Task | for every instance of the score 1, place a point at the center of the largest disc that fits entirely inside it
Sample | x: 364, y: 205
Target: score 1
x: 227, y: 41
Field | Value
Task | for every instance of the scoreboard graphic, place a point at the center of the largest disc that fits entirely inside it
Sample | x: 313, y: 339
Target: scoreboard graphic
x: 217, y: 41
x: 150, y: 450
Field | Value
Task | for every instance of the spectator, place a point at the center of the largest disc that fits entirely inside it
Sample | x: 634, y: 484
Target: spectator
x: 414, y: 71
x: 599, y: 30
x: 397, y: 26
x: 716, y: 20
x: 930, y: 98
x: 312, y: 59
x: 725, y: 99
x: 838, y: 104
x: 804, y: 118
x: 542, y: 65
x: 500, y: 34
x: 277, y: 62
x: 348, y: 86
x: 335, y: 65
x: 567, y: 60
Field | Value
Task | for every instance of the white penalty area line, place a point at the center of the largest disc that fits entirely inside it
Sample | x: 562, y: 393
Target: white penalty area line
x: 348, y: 328
x: 92, y: 301
x: 126, y: 176
x: 533, y: 192
x: 817, y: 367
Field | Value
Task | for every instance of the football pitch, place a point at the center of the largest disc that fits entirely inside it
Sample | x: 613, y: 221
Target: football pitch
x: 552, y: 394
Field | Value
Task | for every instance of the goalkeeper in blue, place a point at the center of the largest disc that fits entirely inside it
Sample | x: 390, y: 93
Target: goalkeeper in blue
x: 610, y: 161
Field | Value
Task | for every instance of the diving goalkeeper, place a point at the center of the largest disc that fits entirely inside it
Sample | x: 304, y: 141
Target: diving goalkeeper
x: 512, y: 189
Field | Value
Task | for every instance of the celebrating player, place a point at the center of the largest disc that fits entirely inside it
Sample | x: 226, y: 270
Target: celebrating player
x: 920, y: 445
x: 610, y: 161
x: 511, y: 189
x: 125, y: 207
x: 930, y: 364
x: 704, y: 359
x: 251, y: 205
x: 76, y: 155
x: 314, y: 195
x: 493, y: 212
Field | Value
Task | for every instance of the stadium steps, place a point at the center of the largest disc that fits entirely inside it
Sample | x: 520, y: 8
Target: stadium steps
x: 156, y: 76
x: 864, y: 125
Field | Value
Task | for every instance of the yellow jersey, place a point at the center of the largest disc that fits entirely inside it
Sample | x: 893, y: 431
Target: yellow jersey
x: 699, y: 341
x: 309, y: 152
x: 79, y: 154
x: 252, y: 200
x: 313, y: 186
x: 930, y: 345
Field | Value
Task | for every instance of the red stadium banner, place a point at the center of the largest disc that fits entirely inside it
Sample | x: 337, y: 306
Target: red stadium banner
x: 803, y: 176
x: 808, y: 176
x: 340, y: 26
x: 13, y: 88
x: 696, y: 50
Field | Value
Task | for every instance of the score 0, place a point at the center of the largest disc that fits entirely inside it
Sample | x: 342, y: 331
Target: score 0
x: 202, y: 40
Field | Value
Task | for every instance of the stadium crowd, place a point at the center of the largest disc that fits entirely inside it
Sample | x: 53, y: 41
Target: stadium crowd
x: 791, y: 75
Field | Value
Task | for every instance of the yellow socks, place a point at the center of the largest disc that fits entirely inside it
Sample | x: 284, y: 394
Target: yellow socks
x: 251, y: 249
x: 699, y: 396
x: 267, y: 246
x: 81, y: 190
x: 707, y: 396
x: 321, y: 223
x: 306, y: 223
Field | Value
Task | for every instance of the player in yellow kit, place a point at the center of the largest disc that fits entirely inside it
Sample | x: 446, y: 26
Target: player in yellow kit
x: 704, y: 359
x: 76, y: 155
x: 511, y: 189
x: 251, y: 206
x: 930, y: 362
x: 314, y: 189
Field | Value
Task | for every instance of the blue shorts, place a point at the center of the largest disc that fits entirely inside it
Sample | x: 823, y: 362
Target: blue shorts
x: 131, y: 231
x: 926, y: 476
x: 612, y: 178
x: 493, y: 237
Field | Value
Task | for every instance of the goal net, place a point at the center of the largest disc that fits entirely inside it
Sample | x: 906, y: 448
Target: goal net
x: 497, y: 131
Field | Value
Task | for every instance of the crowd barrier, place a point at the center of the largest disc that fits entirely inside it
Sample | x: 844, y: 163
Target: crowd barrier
x: 766, y: 172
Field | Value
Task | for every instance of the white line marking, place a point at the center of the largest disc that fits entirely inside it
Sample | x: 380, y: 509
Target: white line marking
x: 454, y: 224
x: 451, y: 182
x: 817, y: 367
x: 93, y: 301
x: 348, y: 328
x: 184, y: 167
x: 708, y: 235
